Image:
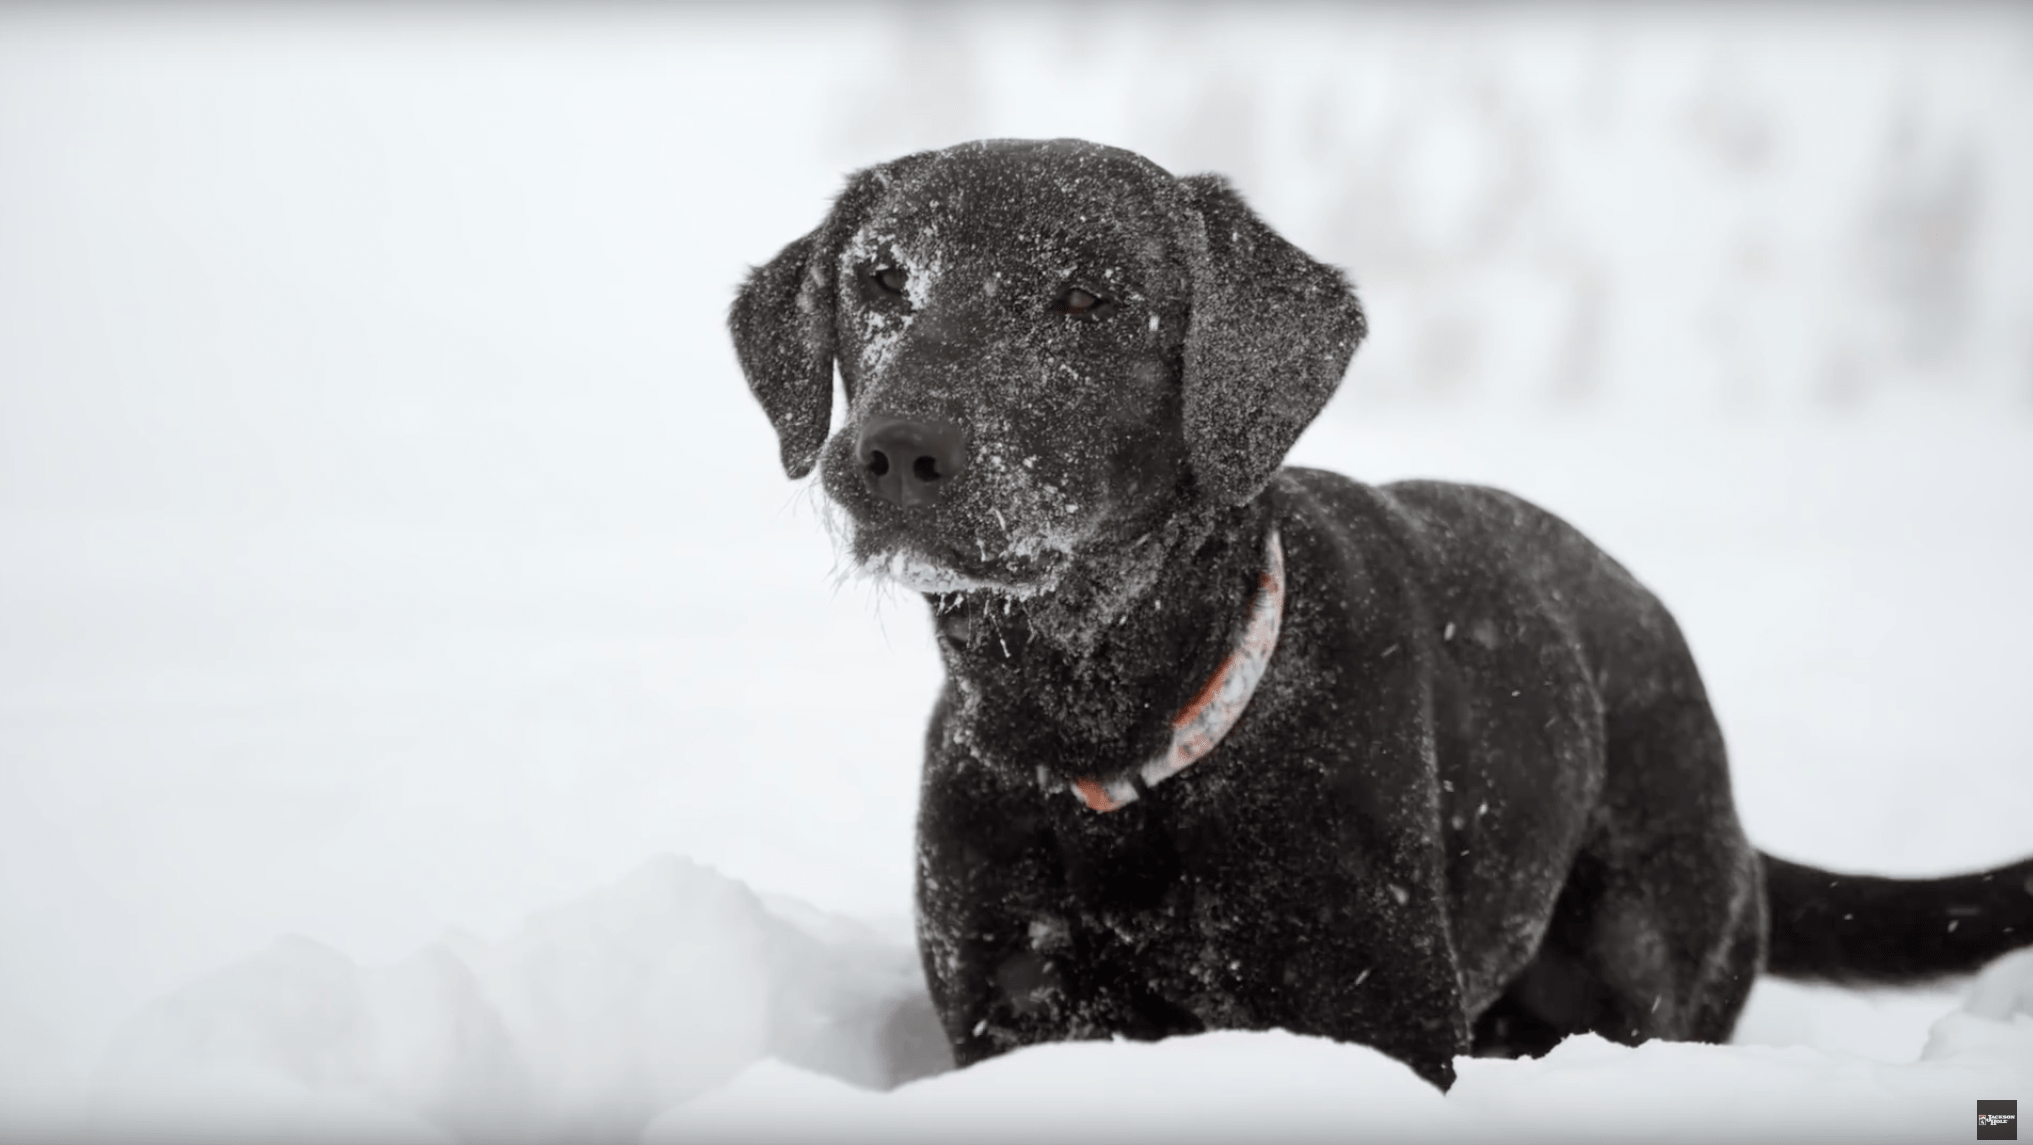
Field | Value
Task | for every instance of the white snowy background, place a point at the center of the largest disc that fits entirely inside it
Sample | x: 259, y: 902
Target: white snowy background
x: 426, y: 712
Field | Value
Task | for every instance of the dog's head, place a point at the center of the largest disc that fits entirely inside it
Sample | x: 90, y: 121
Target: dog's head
x: 1046, y: 347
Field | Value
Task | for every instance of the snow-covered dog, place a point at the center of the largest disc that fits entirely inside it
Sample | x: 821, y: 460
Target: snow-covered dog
x: 1225, y: 745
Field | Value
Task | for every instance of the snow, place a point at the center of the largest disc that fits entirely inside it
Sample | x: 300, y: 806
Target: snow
x: 678, y: 1006
x: 593, y: 1018
x: 388, y: 544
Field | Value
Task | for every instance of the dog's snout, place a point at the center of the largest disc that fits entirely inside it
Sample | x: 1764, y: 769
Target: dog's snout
x: 908, y: 462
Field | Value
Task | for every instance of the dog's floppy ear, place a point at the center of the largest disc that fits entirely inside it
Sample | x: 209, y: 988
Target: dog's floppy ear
x: 1270, y: 335
x: 782, y: 322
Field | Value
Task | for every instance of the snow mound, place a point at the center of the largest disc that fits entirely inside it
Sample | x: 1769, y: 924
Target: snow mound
x: 597, y: 1016
x: 1228, y: 1086
x: 1995, y: 1022
x: 2004, y: 991
x: 679, y: 1006
x: 1589, y: 1089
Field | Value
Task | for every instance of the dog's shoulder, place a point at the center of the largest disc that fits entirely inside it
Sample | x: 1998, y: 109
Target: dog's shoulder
x: 1431, y: 521
x: 1466, y: 544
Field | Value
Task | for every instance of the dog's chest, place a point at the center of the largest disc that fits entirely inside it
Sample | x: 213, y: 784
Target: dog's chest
x: 1139, y: 923
x: 1180, y: 885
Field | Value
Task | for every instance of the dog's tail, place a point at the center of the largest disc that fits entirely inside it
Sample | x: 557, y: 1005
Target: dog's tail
x: 1864, y: 929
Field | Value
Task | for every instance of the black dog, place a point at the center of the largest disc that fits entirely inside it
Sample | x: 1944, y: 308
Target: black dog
x: 1225, y: 745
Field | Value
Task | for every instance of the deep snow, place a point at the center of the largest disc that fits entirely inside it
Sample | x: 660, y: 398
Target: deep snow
x: 387, y: 543
x: 680, y: 999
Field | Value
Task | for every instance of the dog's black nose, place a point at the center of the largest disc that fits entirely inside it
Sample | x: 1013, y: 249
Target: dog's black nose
x: 908, y: 462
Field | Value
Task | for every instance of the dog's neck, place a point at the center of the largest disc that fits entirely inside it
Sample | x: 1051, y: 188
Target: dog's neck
x: 1084, y: 682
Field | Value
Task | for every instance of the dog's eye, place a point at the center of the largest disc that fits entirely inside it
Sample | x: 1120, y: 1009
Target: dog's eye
x: 891, y: 279
x: 1083, y: 303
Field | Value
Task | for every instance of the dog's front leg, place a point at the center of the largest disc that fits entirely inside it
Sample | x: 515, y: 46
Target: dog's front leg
x: 993, y: 929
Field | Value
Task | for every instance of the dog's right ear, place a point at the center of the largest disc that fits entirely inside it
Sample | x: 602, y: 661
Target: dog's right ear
x: 782, y: 320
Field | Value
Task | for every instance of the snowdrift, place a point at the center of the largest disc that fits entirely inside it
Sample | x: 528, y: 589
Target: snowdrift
x: 679, y: 1005
x: 599, y: 1015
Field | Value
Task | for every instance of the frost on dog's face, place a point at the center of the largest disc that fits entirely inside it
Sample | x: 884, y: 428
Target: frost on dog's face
x: 1033, y: 299
x: 1101, y: 347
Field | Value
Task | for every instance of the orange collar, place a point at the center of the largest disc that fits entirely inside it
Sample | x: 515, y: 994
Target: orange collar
x: 1210, y: 714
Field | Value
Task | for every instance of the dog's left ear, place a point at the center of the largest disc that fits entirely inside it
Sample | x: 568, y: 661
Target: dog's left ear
x: 1270, y: 336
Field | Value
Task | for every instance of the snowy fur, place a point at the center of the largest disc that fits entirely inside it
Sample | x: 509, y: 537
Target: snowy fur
x: 1480, y: 803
